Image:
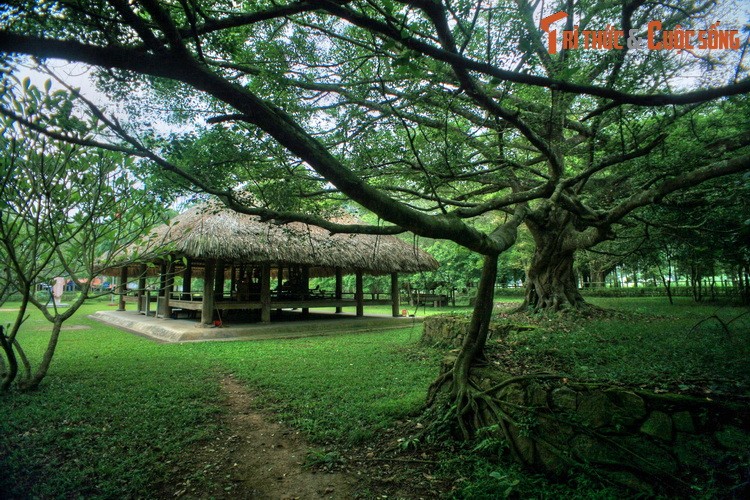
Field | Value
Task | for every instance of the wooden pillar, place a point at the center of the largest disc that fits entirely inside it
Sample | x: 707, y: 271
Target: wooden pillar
x: 395, y: 303
x: 142, y: 289
x: 279, y: 284
x: 339, y: 287
x: 207, y: 309
x: 162, y: 290
x: 233, y: 282
x: 265, y: 293
x: 123, y: 287
x: 168, y: 287
x: 305, y: 281
x: 219, y: 285
x: 305, y: 278
x: 359, y: 294
x: 162, y: 277
x: 187, y: 279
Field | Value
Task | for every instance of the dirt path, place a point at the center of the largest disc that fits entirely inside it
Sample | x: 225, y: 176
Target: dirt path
x: 257, y: 458
x: 270, y: 457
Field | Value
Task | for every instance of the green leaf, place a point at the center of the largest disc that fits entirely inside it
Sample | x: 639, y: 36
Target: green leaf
x: 389, y: 45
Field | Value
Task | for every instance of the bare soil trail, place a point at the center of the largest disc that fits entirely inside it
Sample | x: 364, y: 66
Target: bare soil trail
x: 255, y: 457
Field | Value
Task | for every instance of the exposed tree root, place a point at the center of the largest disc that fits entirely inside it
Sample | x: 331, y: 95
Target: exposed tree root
x: 457, y: 405
x: 469, y: 408
x: 724, y: 324
x: 583, y: 310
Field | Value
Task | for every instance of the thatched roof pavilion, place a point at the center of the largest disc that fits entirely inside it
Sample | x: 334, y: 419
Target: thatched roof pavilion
x: 212, y: 231
x: 212, y: 242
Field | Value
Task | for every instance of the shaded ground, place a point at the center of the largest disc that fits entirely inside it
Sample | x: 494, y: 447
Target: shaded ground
x: 701, y: 351
x: 254, y: 456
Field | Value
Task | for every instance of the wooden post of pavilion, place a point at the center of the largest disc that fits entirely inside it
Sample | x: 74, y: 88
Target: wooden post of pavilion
x: 187, y: 279
x: 142, y: 289
x: 168, y: 287
x: 339, y: 288
x: 233, y: 283
x: 123, y: 287
x: 219, y: 285
x: 305, y: 288
x: 207, y: 309
x: 162, y: 290
x: 162, y: 278
x: 265, y: 293
x: 359, y: 294
x: 394, y: 296
x: 279, y: 285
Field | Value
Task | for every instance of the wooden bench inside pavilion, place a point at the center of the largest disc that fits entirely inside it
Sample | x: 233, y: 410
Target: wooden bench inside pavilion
x: 212, y: 262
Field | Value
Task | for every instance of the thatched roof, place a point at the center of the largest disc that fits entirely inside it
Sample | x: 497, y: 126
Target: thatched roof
x: 212, y: 231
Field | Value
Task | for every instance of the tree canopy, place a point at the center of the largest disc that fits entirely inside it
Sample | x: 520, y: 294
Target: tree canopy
x: 462, y: 101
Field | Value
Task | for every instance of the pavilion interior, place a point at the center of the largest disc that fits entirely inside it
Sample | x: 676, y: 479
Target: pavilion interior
x: 214, y: 290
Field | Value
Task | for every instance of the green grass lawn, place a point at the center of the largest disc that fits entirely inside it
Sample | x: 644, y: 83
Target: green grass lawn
x: 113, y: 411
x: 419, y: 312
x: 662, y: 346
x: 117, y: 411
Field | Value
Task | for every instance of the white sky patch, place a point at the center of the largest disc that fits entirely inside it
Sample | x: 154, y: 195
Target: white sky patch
x: 81, y: 77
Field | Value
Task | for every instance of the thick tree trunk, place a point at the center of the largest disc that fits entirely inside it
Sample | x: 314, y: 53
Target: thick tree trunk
x: 599, y: 278
x: 551, y: 283
x: 472, y: 349
x: 461, y: 402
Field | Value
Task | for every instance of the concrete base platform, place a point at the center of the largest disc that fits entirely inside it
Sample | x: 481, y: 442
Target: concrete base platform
x: 290, y: 325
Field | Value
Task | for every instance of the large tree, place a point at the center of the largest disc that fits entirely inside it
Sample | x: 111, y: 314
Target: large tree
x: 428, y: 113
